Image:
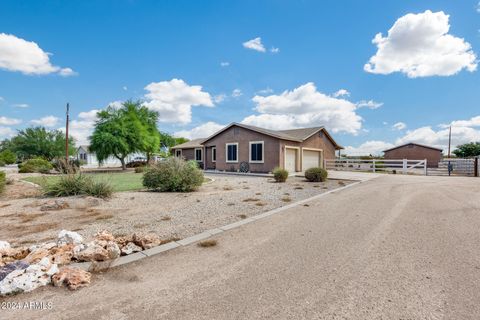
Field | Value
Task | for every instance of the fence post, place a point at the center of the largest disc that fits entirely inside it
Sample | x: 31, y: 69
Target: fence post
x: 475, y: 167
x: 373, y: 165
x: 425, y: 166
x: 404, y: 166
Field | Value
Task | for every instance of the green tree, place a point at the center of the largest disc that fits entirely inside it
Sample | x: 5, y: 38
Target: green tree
x: 121, y: 131
x: 40, y: 142
x: 466, y: 150
x: 8, y: 156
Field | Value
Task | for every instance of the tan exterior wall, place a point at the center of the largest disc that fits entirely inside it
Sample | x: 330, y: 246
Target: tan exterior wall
x: 243, y: 137
x: 416, y: 153
x: 188, y: 154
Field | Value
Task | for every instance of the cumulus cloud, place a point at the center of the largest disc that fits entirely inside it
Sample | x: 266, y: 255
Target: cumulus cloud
x: 265, y: 91
x: 48, y: 121
x: 236, y: 93
x: 9, y: 121
x: 274, y: 50
x: 399, y: 126
x: 21, y: 105
x: 370, y: 104
x: 219, y: 98
x: 419, y: 45
x: 373, y: 147
x: 27, y: 57
x: 255, y: 44
x: 305, y: 106
x: 82, y: 127
x: 341, y: 93
x: 224, y: 64
x: 203, y: 131
x: 174, y: 100
x: 6, y: 132
x: 472, y: 122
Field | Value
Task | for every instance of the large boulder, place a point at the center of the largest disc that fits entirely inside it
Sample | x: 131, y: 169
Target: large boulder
x: 68, y: 237
x: 8, y: 268
x: 92, y: 252
x: 28, y: 279
x: 36, y: 255
x: 62, y: 255
x: 72, y: 278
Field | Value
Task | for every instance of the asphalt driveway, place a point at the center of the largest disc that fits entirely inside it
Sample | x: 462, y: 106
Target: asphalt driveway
x: 396, y: 247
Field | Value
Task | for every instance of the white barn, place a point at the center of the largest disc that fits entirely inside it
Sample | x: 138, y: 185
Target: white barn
x: 84, y: 154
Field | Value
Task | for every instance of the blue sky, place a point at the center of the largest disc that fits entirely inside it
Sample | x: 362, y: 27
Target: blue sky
x: 204, y: 58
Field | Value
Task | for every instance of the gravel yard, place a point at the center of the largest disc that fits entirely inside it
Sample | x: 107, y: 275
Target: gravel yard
x: 226, y: 199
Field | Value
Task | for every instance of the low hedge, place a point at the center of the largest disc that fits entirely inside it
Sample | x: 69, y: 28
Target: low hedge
x: 35, y: 165
x: 316, y: 174
x: 280, y: 175
x: 173, y: 175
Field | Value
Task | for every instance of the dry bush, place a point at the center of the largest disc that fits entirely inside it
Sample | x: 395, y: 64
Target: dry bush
x: 242, y: 216
x: 286, y: 199
x: 251, y: 200
x: 207, y: 243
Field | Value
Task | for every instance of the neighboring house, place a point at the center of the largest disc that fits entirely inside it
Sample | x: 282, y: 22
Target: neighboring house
x: 90, y: 159
x: 415, y: 151
x: 260, y: 149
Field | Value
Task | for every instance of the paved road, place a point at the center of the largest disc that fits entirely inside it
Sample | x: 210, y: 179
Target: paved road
x: 390, y: 248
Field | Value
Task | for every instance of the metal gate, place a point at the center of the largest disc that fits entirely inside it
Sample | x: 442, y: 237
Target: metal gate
x: 469, y: 167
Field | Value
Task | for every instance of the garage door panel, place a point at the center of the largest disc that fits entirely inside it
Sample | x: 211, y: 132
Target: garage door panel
x: 311, y: 159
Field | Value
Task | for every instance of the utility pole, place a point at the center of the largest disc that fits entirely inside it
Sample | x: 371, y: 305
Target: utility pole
x: 449, y: 140
x: 66, y: 133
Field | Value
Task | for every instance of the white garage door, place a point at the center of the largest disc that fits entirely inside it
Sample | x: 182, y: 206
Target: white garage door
x: 291, y: 160
x: 311, y: 159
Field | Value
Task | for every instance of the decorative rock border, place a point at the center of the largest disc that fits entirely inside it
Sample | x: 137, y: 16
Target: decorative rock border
x: 103, y: 265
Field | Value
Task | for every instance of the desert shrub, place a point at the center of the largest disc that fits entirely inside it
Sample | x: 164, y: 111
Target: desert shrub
x: 316, y: 174
x: 35, y: 165
x: 8, y: 157
x: 280, y: 175
x: 140, y: 169
x: 77, y: 184
x: 3, y: 181
x: 174, y: 175
x: 136, y: 164
x: 62, y: 166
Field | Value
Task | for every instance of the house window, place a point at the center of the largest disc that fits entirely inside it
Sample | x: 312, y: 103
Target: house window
x: 256, y: 151
x: 232, y: 152
x: 198, y: 154
x: 178, y: 153
x: 214, y: 154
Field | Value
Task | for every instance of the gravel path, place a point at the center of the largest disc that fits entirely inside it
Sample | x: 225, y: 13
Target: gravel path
x: 170, y: 215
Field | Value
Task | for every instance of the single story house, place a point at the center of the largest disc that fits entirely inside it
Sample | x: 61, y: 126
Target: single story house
x: 90, y: 159
x: 415, y: 151
x: 240, y: 147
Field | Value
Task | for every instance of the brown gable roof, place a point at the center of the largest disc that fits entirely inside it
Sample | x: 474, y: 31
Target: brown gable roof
x: 195, y: 143
x: 297, y: 135
x: 416, y: 144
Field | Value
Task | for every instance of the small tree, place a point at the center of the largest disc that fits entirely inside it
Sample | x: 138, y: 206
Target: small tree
x: 466, y: 150
x: 121, y: 131
x: 40, y: 142
x: 8, y: 156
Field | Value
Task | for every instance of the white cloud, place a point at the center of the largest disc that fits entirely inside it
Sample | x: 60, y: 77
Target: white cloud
x: 373, y: 147
x: 174, y: 100
x: 267, y: 90
x: 224, y: 64
x: 9, y: 121
x: 48, y: 121
x: 419, y: 45
x: 341, y: 93
x: 219, y: 98
x: 305, y: 106
x: 478, y: 7
x: 21, y: 105
x: 472, y: 122
x: 236, y: 93
x: 82, y: 128
x: 370, y: 104
x: 26, y: 57
x: 203, y: 131
x: 274, y: 50
x: 6, y: 132
x: 255, y: 44
x: 399, y: 126
x: 125, y: 88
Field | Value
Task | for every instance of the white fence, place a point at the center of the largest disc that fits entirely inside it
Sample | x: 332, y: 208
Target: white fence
x: 403, y: 166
